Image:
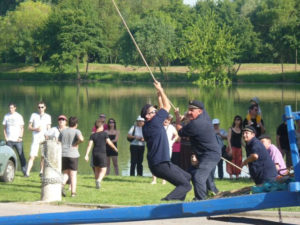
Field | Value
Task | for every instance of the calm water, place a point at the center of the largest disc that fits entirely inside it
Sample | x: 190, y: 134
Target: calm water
x: 123, y: 103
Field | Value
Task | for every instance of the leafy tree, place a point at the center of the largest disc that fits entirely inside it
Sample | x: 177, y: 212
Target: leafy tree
x: 276, y: 22
x: 247, y: 41
x: 18, y: 29
x: 77, y: 35
x: 210, y: 48
x: 156, y: 36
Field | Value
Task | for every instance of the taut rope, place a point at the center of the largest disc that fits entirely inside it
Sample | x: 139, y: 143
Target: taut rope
x: 136, y: 45
x: 231, y: 163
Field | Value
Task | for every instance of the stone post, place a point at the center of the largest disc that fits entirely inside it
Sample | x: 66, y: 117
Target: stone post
x: 52, y: 178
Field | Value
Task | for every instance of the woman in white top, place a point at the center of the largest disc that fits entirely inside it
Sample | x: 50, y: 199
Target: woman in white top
x: 137, y: 147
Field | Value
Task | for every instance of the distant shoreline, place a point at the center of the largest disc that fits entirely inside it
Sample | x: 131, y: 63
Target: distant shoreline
x: 248, y: 73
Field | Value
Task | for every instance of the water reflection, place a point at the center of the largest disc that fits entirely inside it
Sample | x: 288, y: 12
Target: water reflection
x: 124, y: 101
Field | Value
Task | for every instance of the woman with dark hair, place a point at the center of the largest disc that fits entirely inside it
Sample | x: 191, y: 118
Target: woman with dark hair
x: 70, y: 138
x: 235, y: 146
x: 99, y: 141
x: 113, y: 135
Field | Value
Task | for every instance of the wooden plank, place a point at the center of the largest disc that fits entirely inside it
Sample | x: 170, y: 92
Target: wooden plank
x: 163, y: 211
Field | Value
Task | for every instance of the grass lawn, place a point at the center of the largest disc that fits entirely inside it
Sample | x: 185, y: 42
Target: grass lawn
x: 249, y: 72
x: 115, y: 190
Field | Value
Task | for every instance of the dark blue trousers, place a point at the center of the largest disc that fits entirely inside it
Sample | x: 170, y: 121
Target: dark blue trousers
x: 174, y: 175
x: 201, y: 175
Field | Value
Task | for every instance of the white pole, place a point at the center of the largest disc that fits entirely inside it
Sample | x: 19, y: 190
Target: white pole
x: 52, y: 178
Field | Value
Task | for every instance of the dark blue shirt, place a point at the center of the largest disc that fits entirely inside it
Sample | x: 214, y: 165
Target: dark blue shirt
x: 156, y: 138
x: 263, y: 169
x: 202, y: 136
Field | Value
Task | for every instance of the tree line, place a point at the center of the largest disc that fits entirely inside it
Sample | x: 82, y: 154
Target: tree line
x: 209, y: 37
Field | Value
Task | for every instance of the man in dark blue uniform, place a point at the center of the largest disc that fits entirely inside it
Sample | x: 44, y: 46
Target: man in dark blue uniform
x: 158, y: 155
x: 262, y: 168
x: 204, y: 144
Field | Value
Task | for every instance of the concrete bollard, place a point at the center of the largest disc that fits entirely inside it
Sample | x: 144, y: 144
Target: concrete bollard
x: 52, y: 178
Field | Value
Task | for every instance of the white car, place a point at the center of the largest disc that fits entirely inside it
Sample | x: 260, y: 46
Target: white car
x: 8, y: 163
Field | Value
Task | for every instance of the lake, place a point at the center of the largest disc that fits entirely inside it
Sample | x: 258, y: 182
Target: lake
x: 124, y: 101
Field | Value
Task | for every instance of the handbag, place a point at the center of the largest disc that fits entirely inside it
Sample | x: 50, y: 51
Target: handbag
x: 226, y: 154
x: 131, y: 139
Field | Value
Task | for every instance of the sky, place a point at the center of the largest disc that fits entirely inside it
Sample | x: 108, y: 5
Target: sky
x: 190, y: 2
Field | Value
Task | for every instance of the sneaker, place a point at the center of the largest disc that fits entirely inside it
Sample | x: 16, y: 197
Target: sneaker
x: 153, y: 182
x: 164, y: 181
x: 41, y: 174
x: 73, y: 195
x: 98, y: 184
x: 26, y: 175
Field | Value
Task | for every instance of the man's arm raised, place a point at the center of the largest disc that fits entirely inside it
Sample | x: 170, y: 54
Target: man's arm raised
x: 164, y: 99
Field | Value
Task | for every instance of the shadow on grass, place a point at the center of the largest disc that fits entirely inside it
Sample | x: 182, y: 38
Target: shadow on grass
x: 245, y: 220
x: 126, y: 179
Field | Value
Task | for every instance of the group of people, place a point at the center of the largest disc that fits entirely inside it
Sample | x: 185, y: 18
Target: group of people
x: 103, y: 140
x: 188, y: 149
x: 206, y: 147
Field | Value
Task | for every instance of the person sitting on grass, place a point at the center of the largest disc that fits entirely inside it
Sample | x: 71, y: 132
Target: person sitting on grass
x: 274, y: 153
x: 99, y: 139
x: 261, y: 167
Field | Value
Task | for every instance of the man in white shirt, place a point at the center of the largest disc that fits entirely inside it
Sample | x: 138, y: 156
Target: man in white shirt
x: 39, y: 123
x: 13, y: 133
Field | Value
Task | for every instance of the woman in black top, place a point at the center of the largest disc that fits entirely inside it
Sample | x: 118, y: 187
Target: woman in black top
x: 113, y: 135
x: 99, y: 139
x: 235, y: 146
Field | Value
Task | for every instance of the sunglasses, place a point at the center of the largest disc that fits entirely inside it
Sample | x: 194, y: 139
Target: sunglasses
x: 41, y: 107
x: 111, y: 122
x: 152, y: 112
x: 61, y: 119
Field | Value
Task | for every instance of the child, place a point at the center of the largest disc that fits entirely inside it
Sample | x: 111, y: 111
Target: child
x: 255, y: 101
x: 99, y: 139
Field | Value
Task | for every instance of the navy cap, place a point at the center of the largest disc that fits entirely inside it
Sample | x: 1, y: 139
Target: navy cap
x: 195, y: 104
x: 144, y: 110
x: 250, y: 129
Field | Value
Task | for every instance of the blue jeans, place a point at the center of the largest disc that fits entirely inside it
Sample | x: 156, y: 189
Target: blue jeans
x: 201, y: 175
x: 18, y: 146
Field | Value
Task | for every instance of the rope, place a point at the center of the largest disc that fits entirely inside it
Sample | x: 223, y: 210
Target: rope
x: 134, y: 42
x: 235, y: 165
x: 136, y: 45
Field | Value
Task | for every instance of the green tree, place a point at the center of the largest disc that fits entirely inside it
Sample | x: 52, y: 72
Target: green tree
x: 210, y: 48
x: 156, y: 37
x: 18, y: 29
x: 77, y: 35
x: 277, y: 22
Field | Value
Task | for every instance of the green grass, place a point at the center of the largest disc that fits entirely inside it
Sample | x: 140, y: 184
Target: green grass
x: 115, y: 190
x: 248, y: 73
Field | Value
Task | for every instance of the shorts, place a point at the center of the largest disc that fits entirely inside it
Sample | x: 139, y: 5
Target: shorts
x: 36, y: 143
x: 69, y: 163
